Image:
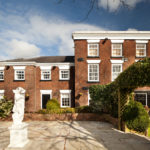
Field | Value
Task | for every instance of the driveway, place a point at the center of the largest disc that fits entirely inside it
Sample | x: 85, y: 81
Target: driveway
x: 76, y: 135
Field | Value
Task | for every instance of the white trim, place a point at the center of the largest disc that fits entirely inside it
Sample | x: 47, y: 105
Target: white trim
x: 17, y: 63
x: 142, y: 41
x: 2, y: 91
x: 65, y: 91
x: 45, y: 67
x: 65, y: 67
x: 19, y: 67
x: 144, y: 94
x: 93, y: 61
x: 121, y: 35
x: 93, y: 41
x: 60, y: 78
x: 112, y: 70
x: 45, y: 92
x: 117, y: 41
x: 117, y: 61
x: 55, y: 64
x: 2, y: 68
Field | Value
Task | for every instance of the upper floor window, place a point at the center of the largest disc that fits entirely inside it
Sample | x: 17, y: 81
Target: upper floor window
x: 93, y: 49
x: 1, y: 73
x: 19, y: 72
x: 116, y: 70
x: 64, y: 74
x: 45, y: 72
x: 65, y: 98
x: 140, y: 50
x: 45, y: 75
x: 117, y: 49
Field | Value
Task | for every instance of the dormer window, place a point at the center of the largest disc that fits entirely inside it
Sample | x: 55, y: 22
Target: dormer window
x: 93, y: 48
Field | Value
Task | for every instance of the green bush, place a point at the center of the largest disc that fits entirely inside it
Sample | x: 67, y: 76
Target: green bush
x: 84, y: 109
x: 52, y: 104
x: 135, y: 116
x: 5, y: 107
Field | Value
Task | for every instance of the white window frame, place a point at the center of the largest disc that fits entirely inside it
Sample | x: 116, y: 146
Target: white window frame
x: 144, y: 50
x: 112, y: 46
x: 143, y: 94
x: 112, y: 70
x: 2, y: 94
x: 89, y: 50
x: 89, y: 72
x: 61, y: 96
x: 19, y: 68
x: 45, y: 92
x: 60, y: 74
x: 45, y: 69
x: 2, y: 70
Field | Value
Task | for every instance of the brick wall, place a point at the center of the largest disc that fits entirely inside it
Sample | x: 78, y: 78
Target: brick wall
x: 81, y: 67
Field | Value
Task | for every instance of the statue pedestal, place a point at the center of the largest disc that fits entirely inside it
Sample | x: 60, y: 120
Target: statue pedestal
x: 18, y: 135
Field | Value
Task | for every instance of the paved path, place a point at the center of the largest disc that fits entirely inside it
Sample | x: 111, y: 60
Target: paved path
x: 78, y: 135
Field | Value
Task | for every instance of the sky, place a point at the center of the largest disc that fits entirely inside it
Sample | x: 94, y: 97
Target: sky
x: 33, y: 28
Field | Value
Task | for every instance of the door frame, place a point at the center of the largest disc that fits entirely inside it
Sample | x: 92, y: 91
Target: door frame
x: 45, y: 92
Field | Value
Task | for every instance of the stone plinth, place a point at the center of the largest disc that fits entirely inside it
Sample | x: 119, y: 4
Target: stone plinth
x: 18, y: 135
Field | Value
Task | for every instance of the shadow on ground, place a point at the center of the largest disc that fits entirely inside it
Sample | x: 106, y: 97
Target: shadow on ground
x: 76, y: 135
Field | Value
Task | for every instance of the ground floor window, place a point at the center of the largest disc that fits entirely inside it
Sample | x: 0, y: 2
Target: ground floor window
x: 45, y: 96
x: 143, y: 97
x: 65, y: 98
x: 2, y: 94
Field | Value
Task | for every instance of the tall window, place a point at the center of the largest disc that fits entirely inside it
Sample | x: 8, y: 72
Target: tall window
x: 65, y: 98
x: 116, y: 70
x: 93, y: 49
x: 116, y: 49
x: 45, y: 74
x: 93, y: 72
x: 19, y: 75
x: 64, y: 74
x: 1, y: 74
x: 140, y: 50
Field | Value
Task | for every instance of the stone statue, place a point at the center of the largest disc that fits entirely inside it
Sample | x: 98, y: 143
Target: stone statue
x: 19, y: 105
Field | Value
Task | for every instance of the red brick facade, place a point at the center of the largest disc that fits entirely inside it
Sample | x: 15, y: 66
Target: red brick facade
x: 78, y: 82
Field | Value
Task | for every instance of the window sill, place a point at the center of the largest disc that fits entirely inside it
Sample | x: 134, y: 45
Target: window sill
x: 116, y: 56
x: 140, y: 56
x: 19, y: 80
x: 1, y: 80
x: 64, y: 80
x: 93, y: 57
x: 45, y: 80
x: 93, y: 81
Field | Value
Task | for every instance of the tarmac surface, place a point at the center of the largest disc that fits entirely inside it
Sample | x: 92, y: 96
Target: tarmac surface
x: 76, y: 135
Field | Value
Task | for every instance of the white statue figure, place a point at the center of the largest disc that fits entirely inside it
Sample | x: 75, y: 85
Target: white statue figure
x: 19, y: 105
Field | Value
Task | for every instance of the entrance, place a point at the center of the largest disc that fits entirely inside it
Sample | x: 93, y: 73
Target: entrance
x: 45, y: 98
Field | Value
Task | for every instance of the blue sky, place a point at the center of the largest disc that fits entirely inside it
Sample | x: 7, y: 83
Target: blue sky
x: 30, y: 28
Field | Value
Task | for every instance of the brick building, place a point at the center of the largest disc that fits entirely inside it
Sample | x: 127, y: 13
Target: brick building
x: 99, y: 58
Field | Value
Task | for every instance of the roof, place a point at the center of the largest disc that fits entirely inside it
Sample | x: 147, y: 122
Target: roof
x: 141, y: 35
x: 44, y: 59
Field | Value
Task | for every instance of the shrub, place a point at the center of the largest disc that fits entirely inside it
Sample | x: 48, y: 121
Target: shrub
x: 52, y: 104
x: 135, y: 116
x: 84, y: 109
x: 5, y: 107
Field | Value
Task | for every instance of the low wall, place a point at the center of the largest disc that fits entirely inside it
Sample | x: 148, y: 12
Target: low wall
x: 71, y: 117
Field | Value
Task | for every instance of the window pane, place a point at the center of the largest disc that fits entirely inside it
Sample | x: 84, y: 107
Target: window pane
x: 141, y: 97
x: 116, y: 70
x: 65, y: 99
x: 19, y: 75
x: 46, y: 75
x: 93, y: 72
x: 140, y: 50
x: 92, y: 49
x: 64, y: 74
x: 1, y: 75
x: 116, y: 49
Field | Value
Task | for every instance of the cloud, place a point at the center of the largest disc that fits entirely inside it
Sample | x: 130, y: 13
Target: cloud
x: 34, y: 35
x: 114, y: 5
